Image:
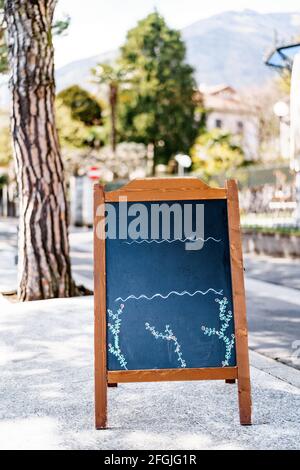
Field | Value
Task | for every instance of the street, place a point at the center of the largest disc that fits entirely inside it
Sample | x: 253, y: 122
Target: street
x: 272, y: 288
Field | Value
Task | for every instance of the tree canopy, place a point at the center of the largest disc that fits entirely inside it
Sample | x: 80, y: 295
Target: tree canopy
x: 157, y: 105
x: 72, y: 132
x: 112, y: 76
x: 83, y: 106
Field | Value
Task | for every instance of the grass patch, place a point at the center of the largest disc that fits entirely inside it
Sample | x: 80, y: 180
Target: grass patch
x: 272, y: 230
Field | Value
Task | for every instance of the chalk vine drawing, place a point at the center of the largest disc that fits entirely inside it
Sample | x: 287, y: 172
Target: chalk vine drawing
x: 115, y: 328
x: 173, y: 292
x: 189, y: 239
x: 168, y: 335
x: 225, y: 318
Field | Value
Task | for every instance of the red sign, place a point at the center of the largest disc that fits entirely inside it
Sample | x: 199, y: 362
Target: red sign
x: 94, y: 173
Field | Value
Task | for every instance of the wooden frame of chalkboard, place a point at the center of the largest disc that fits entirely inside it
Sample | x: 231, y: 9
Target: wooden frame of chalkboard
x: 170, y: 189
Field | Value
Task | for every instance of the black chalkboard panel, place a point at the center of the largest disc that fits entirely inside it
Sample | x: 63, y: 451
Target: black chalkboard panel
x: 168, y: 307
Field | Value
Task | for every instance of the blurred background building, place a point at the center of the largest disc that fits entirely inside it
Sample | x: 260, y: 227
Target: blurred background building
x: 228, y: 110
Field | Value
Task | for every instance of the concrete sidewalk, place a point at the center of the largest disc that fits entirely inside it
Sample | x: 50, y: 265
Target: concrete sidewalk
x: 46, y: 354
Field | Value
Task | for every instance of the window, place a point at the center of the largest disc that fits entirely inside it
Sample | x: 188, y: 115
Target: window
x: 218, y: 123
x: 240, y: 126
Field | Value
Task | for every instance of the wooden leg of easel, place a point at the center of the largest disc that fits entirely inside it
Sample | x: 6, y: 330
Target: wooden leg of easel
x: 239, y: 303
x: 100, y: 311
x: 230, y: 381
x: 100, y: 403
x: 244, y: 400
x: 112, y: 385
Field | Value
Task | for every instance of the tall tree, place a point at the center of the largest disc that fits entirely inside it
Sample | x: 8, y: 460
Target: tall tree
x: 158, y: 107
x: 111, y: 76
x: 44, y: 262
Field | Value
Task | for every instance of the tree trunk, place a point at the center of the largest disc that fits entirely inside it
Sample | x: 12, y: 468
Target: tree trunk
x: 44, y: 263
x: 113, y: 98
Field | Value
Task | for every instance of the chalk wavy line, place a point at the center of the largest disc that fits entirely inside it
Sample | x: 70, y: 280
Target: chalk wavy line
x: 173, y: 292
x: 175, y: 240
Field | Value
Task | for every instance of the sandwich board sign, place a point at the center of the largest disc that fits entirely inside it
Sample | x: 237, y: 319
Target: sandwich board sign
x: 169, y: 287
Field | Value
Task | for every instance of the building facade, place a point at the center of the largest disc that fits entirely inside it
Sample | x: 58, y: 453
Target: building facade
x: 226, y: 110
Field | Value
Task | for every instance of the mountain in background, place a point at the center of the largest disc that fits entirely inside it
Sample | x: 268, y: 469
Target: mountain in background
x: 225, y: 48
x: 79, y: 71
x: 230, y: 47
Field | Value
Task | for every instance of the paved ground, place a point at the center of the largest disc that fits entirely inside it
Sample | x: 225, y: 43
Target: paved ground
x: 46, y: 355
x: 46, y: 393
x: 280, y: 271
x: 273, y: 305
x: 81, y: 252
x: 272, y: 285
x: 274, y: 321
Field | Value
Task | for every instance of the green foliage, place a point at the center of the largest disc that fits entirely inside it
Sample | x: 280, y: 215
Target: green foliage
x: 5, y: 142
x: 3, y: 180
x: 96, y: 136
x: 83, y: 106
x: 61, y: 26
x: 216, y: 154
x: 79, y: 118
x: 108, y: 74
x: 72, y: 132
x: 157, y: 104
x: 284, y: 81
x: 3, y: 45
x: 284, y: 230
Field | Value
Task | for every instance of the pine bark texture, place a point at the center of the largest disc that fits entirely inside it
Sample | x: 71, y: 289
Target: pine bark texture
x: 44, y: 263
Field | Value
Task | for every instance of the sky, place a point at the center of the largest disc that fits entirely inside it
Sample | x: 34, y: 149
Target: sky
x: 100, y: 25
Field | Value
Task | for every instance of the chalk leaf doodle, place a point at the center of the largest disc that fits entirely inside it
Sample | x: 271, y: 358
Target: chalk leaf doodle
x: 115, y: 327
x: 225, y: 318
x: 168, y: 335
x: 173, y: 292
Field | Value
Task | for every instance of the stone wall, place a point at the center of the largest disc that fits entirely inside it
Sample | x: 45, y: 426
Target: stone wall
x: 282, y: 245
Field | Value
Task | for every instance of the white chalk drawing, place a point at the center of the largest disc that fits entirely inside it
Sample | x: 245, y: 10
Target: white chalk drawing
x: 225, y: 318
x: 115, y: 328
x: 168, y: 335
x: 184, y: 240
x: 173, y: 292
